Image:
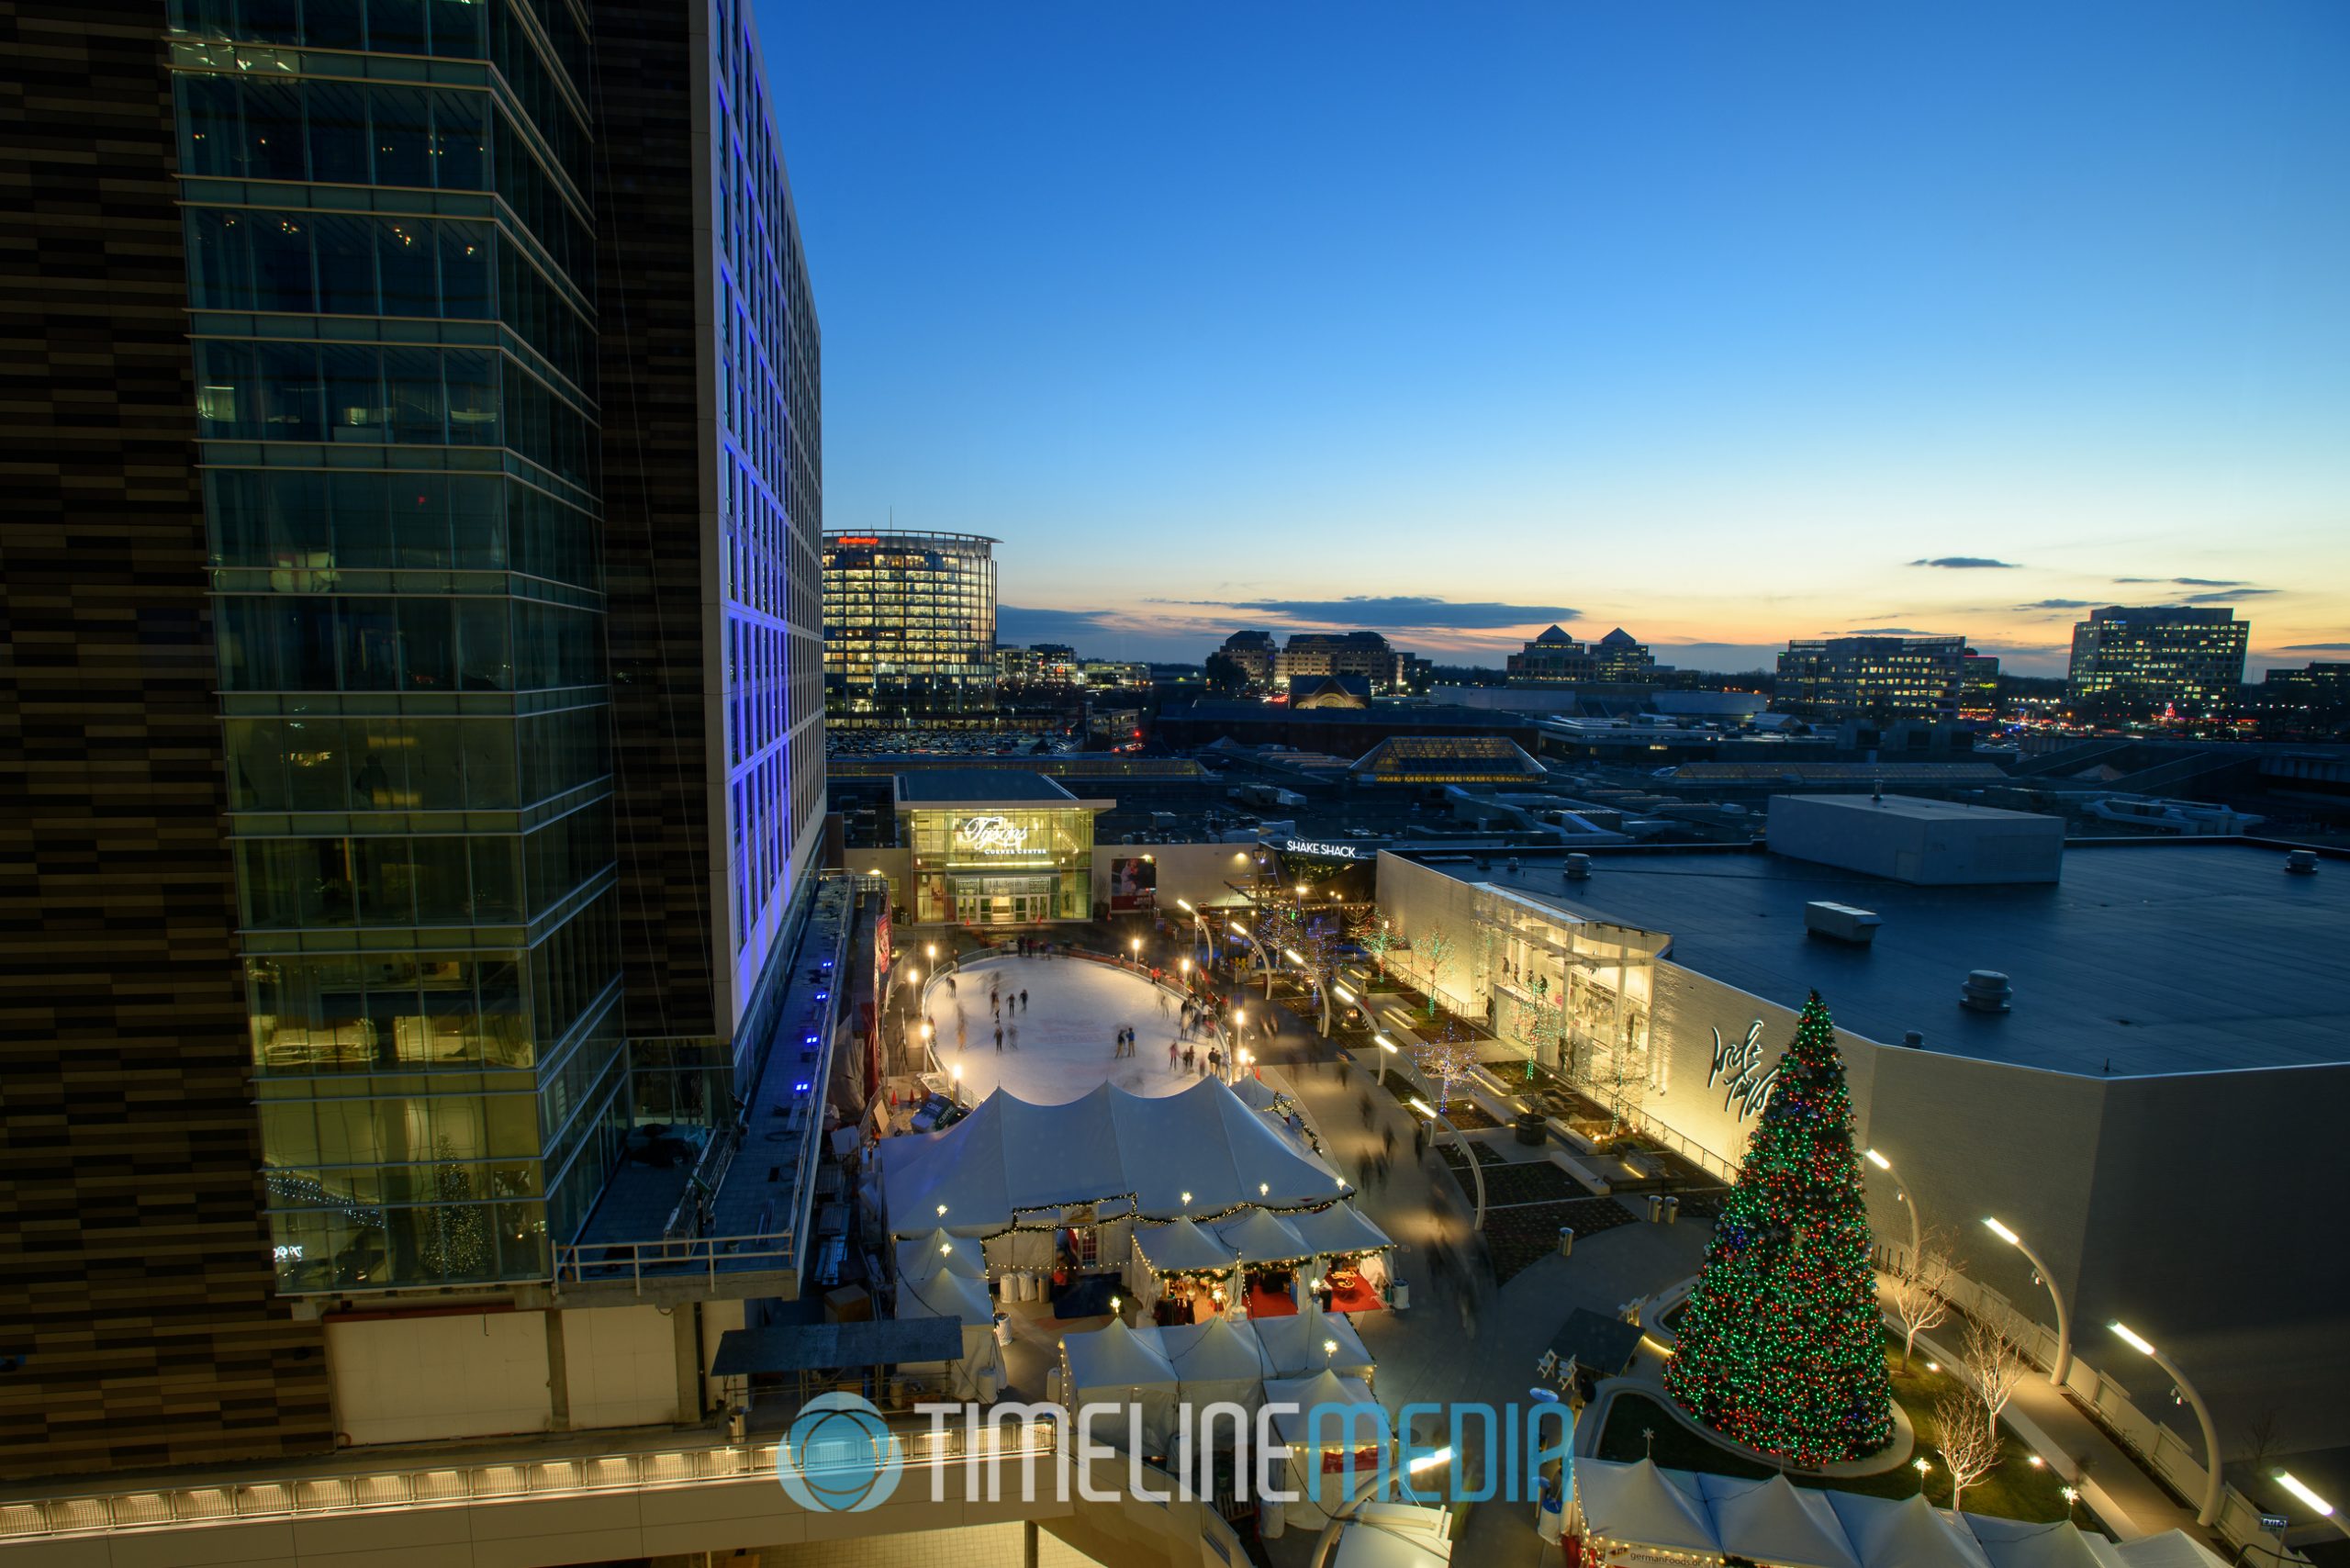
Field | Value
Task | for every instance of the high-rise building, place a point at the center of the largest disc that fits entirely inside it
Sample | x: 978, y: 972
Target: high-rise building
x: 1553, y: 657
x: 2152, y: 658
x: 1623, y: 658
x: 392, y: 293
x: 337, y: 875
x: 909, y: 628
x: 1256, y: 653
x: 1887, y: 676
x: 1978, y: 686
x: 1366, y: 654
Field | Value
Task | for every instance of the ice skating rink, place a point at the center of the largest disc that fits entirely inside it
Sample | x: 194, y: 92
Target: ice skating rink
x: 1068, y: 1031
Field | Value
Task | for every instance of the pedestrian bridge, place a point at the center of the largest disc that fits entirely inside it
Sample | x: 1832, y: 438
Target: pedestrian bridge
x: 541, y: 1509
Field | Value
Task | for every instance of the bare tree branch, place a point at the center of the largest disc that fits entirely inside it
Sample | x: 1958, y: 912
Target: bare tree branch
x: 1918, y: 1291
x: 1966, y: 1438
x: 1994, y: 1362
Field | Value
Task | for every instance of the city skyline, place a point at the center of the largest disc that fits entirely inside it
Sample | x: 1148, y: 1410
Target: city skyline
x: 1724, y: 330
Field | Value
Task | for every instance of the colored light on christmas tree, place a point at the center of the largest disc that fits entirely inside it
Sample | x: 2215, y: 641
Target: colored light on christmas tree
x: 1779, y: 1346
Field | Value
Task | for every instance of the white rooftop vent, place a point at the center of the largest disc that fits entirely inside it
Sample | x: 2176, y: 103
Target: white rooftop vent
x: 2301, y: 862
x: 1986, y: 990
x: 1840, y: 921
x: 1578, y: 867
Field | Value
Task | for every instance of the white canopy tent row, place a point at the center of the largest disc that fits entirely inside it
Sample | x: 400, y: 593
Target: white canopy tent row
x: 1639, y: 1516
x: 1200, y: 1153
x: 1204, y: 1184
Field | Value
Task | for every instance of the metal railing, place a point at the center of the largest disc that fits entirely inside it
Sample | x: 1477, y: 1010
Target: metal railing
x: 508, y: 1481
x: 606, y: 1262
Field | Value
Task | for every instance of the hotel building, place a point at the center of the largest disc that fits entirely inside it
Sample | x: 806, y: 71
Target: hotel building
x: 910, y: 628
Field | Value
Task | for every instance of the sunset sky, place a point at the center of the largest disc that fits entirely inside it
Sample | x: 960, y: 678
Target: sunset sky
x: 1725, y: 323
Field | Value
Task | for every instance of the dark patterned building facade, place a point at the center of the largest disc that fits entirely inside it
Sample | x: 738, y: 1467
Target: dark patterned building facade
x: 137, y: 1323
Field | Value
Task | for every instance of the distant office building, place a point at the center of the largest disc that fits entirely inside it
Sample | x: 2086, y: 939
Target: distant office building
x: 2321, y: 682
x: 1978, y: 686
x: 1057, y: 663
x: 1623, y: 658
x: 2147, y: 659
x: 1364, y: 653
x: 1881, y: 676
x: 1256, y: 653
x: 1556, y: 658
x: 909, y: 628
x: 1015, y: 666
x: 1112, y: 673
x: 1553, y: 657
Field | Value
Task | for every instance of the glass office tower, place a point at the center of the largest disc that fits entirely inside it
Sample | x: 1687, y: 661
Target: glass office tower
x: 909, y: 628
x: 391, y: 261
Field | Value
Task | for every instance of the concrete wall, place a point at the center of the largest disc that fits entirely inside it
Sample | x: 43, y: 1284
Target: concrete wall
x: 1199, y: 872
x: 622, y: 1365
x: 409, y: 1378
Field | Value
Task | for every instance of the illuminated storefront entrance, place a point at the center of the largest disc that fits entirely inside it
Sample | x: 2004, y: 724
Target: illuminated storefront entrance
x: 995, y: 846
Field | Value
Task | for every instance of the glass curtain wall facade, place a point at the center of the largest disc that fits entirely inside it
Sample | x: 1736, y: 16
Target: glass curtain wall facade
x: 1007, y: 865
x: 391, y: 289
x: 769, y: 484
x: 909, y: 628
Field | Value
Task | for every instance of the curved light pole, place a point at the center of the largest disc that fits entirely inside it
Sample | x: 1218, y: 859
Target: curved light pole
x: 1901, y: 1191
x: 1387, y: 1052
x: 1476, y: 1165
x: 2209, y: 1512
x: 2064, y: 1363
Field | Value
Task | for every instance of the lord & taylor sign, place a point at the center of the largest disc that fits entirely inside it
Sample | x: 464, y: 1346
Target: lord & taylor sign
x: 991, y: 836
x: 1740, y: 1061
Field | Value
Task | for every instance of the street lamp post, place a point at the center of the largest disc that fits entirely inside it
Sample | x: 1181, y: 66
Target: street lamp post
x: 2208, y: 1513
x: 1387, y: 1053
x: 1901, y: 1191
x: 2064, y: 1363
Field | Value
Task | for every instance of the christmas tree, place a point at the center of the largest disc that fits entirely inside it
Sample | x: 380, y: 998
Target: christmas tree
x: 1779, y: 1346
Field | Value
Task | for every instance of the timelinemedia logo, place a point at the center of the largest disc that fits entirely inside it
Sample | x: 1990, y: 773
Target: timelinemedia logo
x: 840, y: 1456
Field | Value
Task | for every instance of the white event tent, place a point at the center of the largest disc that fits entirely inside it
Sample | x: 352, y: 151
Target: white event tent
x: 1117, y: 1365
x: 945, y: 1292
x: 1637, y: 1516
x: 1293, y: 1346
x: 1321, y: 1486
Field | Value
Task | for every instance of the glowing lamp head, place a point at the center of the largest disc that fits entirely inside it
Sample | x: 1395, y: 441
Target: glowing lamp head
x: 2316, y: 1504
x: 1330, y: 1348
x: 1921, y: 1465
x: 1264, y: 1189
x: 1430, y: 1461
x: 1423, y: 1107
x: 2002, y: 1231
x: 1880, y: 1161
x: 2131, y: 1337
x: 1187, y: 1200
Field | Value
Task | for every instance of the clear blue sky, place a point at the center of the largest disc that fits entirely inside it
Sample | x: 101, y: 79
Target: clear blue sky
x: 1704, y: 319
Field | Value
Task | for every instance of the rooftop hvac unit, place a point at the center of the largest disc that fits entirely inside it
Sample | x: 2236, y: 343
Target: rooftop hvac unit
x: 1840, y: 921
x: 1986, y: 990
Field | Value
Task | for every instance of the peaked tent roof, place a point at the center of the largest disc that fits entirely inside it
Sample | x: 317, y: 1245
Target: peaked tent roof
x: 946, y: 1295
x: 2172, y: 1549
x: 1009, y: 1156
x: 1305, y: 1393
x: 2020, y: 1543
x: 1181, y: 1246
x: 1115, y: 1357
x: 924, y: 1256
x: 1907, y: 1534
x: 1342, y: 1227
x: 1258, y: 1237
x: 1293, y: 1345
x: 1218, y: 1351
x: 1775, y: 1521
x: 1636, y: 1503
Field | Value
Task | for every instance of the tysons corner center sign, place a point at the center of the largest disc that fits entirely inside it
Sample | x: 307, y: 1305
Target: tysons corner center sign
x: 991, y: 836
